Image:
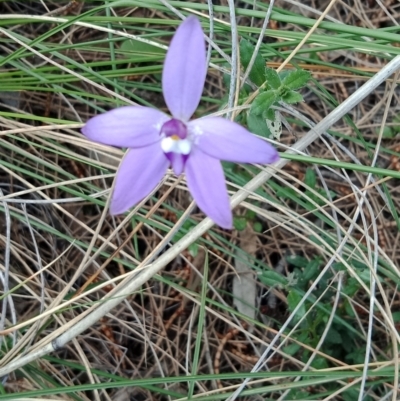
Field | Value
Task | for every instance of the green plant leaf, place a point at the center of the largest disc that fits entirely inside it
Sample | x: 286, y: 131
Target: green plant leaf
x: 256, y: 74
x: 293, y: 300
x: 311, y: 270
x: 273, y: 278
x: 310, y: 179
x: 272, y: 78
x: 320, y: 363
x: 291, y: 349
x: 388, y: 132
x: 292, y: 97
x: 333, y: 336
x: 263, y: 102
x: 257, y: 227
x: 296, y: 79
x: 239, y: 223
x: 283, y: 74
x: 269, y: 115
x: 258, y: 125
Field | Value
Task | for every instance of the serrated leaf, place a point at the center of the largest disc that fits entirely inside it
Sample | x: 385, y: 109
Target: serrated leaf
x: 292, y: 97
x: 296, y: 79
x: 263, y: 102
x: 272, y: 78
x: 256, y: 74
x: 283, y: 74
x: 257, y: 125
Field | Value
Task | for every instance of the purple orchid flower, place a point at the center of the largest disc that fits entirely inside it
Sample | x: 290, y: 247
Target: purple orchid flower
x: 156, y: 141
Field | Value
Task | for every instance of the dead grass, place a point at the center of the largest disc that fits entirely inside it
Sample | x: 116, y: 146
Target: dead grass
x: 152, y: 333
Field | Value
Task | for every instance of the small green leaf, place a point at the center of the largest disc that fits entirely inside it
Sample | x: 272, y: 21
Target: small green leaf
x: 250, y: 215
x: 348, y: 309
x: 291, y: 349
x: 257, y: 227
x: 388, y: 132
x: 333, y: 336
x: 396, y: 316
x: 310, y: 178
x: 320, y: 363
x: 256, y: 74
x: 293, y: 300
x: 296, y: 79
x: 298, y: 261
x: 269, y: 115
x: 311, y: 270
x: 272, y: 278
x: 239, y: 223
x: 193, y: 249
x: 283, y: 74
x: 365, y: 276
x: 263, y: 102
x: 339, y: 266
x: 257, y: 125
x: 272, y: 78
x: 292, y: 97
x: 325, y: 195
x: 356, y: 357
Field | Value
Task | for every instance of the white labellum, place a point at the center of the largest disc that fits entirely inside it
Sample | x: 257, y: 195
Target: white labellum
x: 180, y: 146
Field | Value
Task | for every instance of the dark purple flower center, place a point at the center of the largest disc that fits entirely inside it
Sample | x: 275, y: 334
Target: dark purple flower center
x: 174, y: 129
x: 175, y: 144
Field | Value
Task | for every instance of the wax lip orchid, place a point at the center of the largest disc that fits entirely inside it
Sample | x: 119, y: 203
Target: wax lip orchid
x: 155, y: 141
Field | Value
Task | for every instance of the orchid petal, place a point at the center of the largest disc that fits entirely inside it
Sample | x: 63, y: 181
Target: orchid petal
x: 206, y: 182
x: 126, y: 127
x: 226, y: 140
x: 177, y: 162
x: 185, y: 69
x: 139, y: 173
